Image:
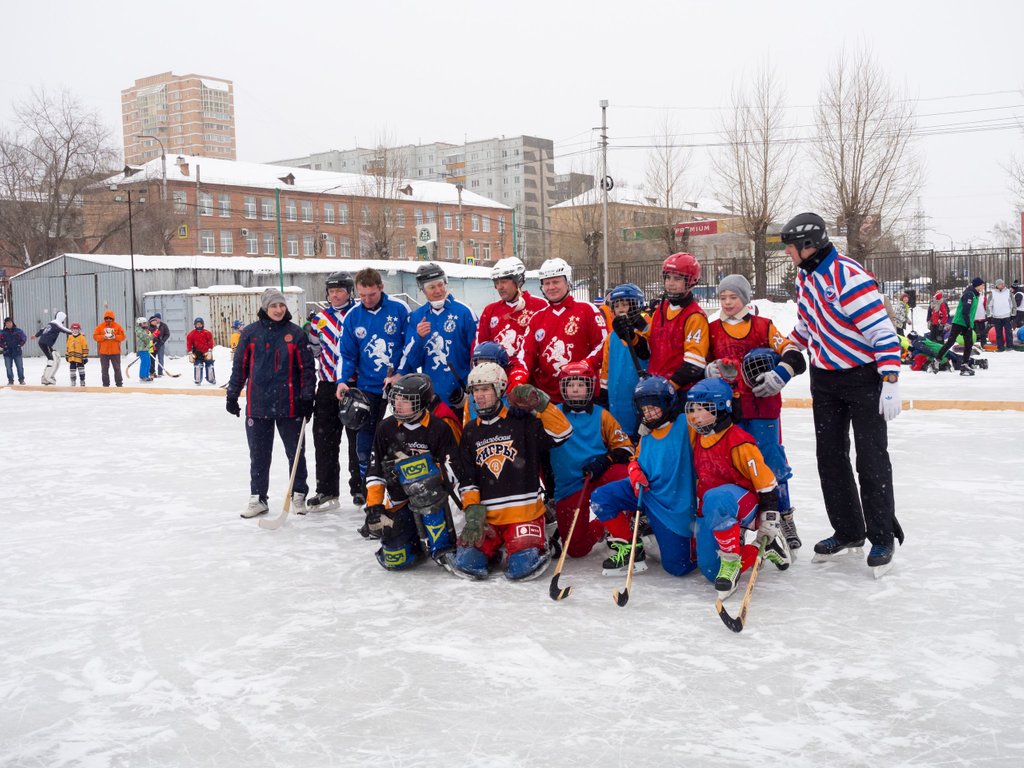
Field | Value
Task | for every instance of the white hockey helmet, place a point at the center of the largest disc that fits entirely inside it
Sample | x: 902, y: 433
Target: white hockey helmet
x: 141, y: 321
x: 485, y: 374
x: 510, y: 267
x: 556, y: 268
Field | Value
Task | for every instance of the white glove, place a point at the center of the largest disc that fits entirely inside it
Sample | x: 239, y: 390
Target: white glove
x: 768, y: 384
x: 712, y: 370
x: 889, y: 403
x: 769, y: 527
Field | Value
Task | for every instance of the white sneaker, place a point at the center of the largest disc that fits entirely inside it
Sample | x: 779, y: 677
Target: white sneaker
x: 256, y: 507
x: 299, y: 503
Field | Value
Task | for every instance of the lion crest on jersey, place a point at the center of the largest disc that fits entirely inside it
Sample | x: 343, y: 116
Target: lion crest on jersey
x: 557, y: 354
x: 377, y: 351
x: 437, y: 352
x: 509, y: 341
x: 494, y: 454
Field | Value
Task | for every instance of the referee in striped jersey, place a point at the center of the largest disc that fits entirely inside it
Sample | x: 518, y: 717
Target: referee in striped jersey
x: 854, y: 368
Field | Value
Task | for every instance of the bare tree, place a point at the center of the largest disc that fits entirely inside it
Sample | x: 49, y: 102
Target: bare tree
x: 385, y: 181
x: 867, y: 170
x: 753, y: 169
x: 1006, y: 234
x: 667, y: 164
x: 54, y: 151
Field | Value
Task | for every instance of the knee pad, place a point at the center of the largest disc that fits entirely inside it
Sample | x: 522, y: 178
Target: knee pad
x: 472, y: 562
x: 526, y: 564
x: 400, y: 558
x: 439, y: 535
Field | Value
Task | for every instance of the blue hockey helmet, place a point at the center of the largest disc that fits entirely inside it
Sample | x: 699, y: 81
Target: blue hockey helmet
x: 237, y: 324
x: 658, y: 391
x: 629, y: 292
x: 756, y: 362
x: 490, y: 352
x: 712, y: 396
x: 199, y: 321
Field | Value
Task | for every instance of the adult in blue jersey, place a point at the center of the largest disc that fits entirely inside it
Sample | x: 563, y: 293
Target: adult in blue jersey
x: 370, y: 351
x: 327, y: 429
x: 855, y: 367
x: 440, y: 335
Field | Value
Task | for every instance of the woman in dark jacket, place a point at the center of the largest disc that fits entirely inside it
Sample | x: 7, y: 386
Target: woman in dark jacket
x: 12, y: 339
x: 274, y: 365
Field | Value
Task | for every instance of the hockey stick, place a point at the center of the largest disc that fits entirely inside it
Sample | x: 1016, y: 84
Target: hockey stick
x: 277, y: 522
x: 736, y: 625
x: 621, y: 598
x: 554, y: 591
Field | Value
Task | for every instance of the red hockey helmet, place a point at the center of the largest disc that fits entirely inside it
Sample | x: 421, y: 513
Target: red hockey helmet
x: 579, y: 371
x: 684, y: 264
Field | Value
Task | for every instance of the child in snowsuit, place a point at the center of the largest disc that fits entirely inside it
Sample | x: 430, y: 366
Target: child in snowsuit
x: 938, y: 317
x: 143, y: 343
x: 661, y: 484
x: 236, y: 331
x: 78, y: 353
x: 503, y: 496
x: 735, y: 335
x: 199, y: 345
x: 595, y: 454
x: 734, y: 488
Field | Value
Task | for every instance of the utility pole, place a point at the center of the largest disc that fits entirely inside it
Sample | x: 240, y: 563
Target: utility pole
x: 604, y: 193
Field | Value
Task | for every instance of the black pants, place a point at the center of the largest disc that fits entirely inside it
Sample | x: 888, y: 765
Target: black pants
x: 954, y: 331
x: 327, y: 431
x: 364, y: 437
x: 47, y: 350
x: 260, y: 434
x: 840, y: 399
x: 1004, y: 336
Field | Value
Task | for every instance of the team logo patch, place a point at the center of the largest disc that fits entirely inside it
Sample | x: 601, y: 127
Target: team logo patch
x: 494, y: 321
x: 391, y: 325
x: 322, y: 322
x: 495, y: 454
x: 528, y: 530
x: 288, y: 338
x: 539, y: 335
x: 360, y: 332
x: 572, y: 325
x: 449, y: 324
x: 830, y: 294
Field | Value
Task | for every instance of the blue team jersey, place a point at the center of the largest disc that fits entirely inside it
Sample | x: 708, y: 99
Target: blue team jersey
x: 444, y: 353
x: 622, y: 380
x: 668, y: 463
x: 371, y: 343
x: 585, y: 443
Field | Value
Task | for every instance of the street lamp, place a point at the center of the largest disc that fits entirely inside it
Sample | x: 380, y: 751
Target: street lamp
x: 131, y: 242
x: 462, y: 246
x: 163, y: 162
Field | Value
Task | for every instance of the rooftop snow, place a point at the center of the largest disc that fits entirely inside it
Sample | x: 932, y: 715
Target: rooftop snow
x: 625, y: 195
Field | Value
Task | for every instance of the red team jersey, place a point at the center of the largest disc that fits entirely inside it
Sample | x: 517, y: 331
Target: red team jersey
x: 506, y: 325
x: 754, y: 332
x: 560, y: 333
x: 675, y: 337
x: 730, y: 458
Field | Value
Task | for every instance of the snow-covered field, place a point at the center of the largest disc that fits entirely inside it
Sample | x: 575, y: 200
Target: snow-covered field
x: 145, y: 624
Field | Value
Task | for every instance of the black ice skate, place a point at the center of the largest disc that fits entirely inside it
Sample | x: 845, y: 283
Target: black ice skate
x: 880, y: 559
x: 835, y: 547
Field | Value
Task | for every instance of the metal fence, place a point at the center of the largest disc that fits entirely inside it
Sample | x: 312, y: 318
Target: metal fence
x: 920, y: 273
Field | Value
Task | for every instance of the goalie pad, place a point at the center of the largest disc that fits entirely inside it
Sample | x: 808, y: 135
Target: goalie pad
x: 422, y: 481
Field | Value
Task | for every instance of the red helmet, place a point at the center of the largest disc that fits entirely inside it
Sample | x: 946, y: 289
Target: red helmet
x: 683, y: 264
x: 578, y: 371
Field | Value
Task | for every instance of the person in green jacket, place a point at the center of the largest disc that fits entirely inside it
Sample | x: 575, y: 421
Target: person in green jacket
x: 963, y: 323
x: 144, y: 342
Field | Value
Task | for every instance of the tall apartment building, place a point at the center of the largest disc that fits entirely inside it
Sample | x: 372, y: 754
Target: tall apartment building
x: 187, y: 114
x: 518, y: 172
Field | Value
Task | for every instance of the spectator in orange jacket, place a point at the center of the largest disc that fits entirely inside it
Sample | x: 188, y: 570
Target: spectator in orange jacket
x: 108, y: 335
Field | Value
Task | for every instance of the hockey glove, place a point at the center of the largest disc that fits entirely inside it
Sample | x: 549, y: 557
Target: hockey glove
x: 597, y: 466
x: 724, y: 368
x: 305, y: 409
x: 192, y: 358
x: 233, y: 407
x: 475, y: 529
x: 889, y: 403
x: 623, y: 328
x: 712, y: 370
x: 769, y: 527
x: 528, y: 397
x: 375, y: 520
x: 772, y: 382
x: 637, y: 478
x: 457, y: 398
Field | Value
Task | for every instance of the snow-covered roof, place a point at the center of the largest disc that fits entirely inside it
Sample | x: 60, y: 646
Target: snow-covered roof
x: 221, y: 289
x: 268, y: 264
x: 626, y: 195
x: 331, y: 183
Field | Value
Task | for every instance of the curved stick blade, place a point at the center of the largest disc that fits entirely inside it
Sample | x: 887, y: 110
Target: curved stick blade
x: 736, y: 625
x: 621, y: 598
x: 558, y: 594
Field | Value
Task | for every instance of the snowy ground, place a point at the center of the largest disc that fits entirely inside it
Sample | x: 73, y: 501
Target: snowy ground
x: 145, y: 624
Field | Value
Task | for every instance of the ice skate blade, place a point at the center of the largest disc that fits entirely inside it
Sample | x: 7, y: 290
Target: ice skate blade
x: 840, y: 555
x: 325, y: 507
x: 638, y: 567
x: 878, y: 571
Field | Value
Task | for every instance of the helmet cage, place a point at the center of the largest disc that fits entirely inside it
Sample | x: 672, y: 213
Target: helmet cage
x: 757, y: 362
x: 577, y: 401
x: 487, y: 374
x: 415, y: 389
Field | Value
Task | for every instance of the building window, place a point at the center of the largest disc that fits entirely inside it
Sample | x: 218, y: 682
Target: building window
x: 501, y: 225
x: 180, y: 198
x: 227, y: 243
x: 252, y: 246
x: 417, y: 216
x: 449, y: 250
x: 307, y: 245
x: 458, y: 221
x: 476, y: 251
x: 291, y: 212
x: 400, y: 218
x: 343, y: 213
x: 293, y: 245
x: 474, y: 223
x: 224, y: 204
x: 206, y: 241
x: 346, y: 248
x: 268, y: 244
x: 205, y: 204
x: 267, y: 208
x: 485, y: 252
x: 307, y: 210
x: 447, y: 220
x: 401, y: 249
x: 249, y: 202
x: 365, y: 214
x: 330, y: 246
x: 431, y: 216
x: 487, y: 224
x: 328, y: 213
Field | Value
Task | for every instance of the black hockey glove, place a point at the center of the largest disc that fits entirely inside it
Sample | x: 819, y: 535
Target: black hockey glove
x: 305, y: 409
x: 623, y: 327
x: 597, y: 466
x: 457, y: 399
x: 233, y: 407
x: 375, y: 520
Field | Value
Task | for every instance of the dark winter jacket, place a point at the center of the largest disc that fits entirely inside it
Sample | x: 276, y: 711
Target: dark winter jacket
x: 12, y: 340
x: 965, y: 309
x: 49, y: 333
x: 161, y: 335
x: 274, y: 364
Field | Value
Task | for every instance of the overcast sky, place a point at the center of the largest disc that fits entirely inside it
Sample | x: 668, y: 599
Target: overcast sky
x: 317, y: 76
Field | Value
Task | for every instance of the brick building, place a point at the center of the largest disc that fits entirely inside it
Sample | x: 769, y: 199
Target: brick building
x: 231, y: 208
